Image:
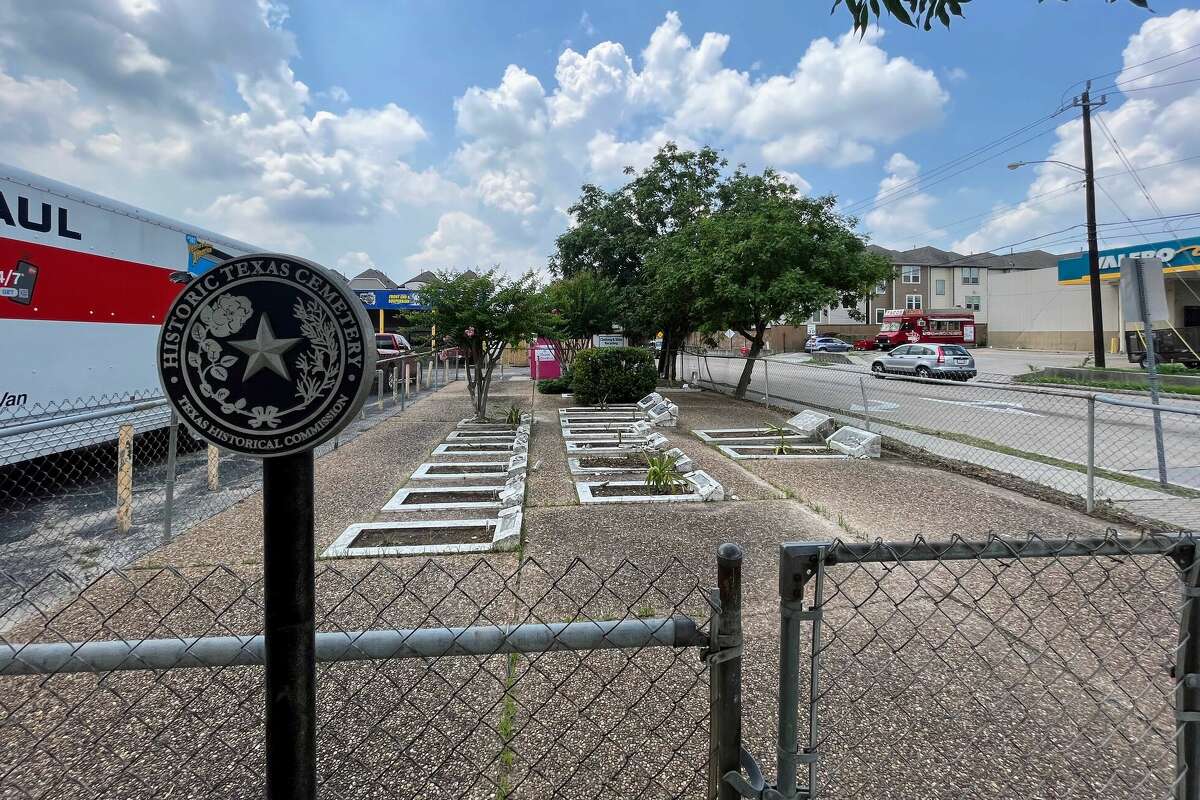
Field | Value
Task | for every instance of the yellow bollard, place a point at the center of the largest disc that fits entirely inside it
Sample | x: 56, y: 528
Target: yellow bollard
x: 125, y: 479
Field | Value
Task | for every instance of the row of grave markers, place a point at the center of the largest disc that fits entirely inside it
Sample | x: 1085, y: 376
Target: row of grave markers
x: 615, y: 440
x: 437, y: 487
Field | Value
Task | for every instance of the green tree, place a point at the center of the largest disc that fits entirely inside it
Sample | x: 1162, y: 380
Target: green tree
x: 482, y: 315
x: 581, y: 306
x: 768, y: 255
x: 915, y: 13
x: 615, y: 231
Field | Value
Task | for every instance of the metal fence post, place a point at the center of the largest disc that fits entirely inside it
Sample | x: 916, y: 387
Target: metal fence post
x: 404, y: 386
x: 1187, y: 677
x: 862, y: 385
x: 766, y: 384
x: 169, y: 501
x: 379, y: 378
x: 125, y: 479
x: 214, y: 468
x: 725, y: 678
x: 798, y: 564
x: 1091, y: 453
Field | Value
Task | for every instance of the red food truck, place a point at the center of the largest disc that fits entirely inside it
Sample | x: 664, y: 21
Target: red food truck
x: 944, y: 325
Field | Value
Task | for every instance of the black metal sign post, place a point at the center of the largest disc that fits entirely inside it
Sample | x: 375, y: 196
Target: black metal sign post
x: 269, y: 355
x: 289, y: 611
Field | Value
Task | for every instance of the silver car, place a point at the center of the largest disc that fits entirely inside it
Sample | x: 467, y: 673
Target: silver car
x: 928, y: 360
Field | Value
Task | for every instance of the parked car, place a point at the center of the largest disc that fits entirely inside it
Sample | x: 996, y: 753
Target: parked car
x: 393, y: 342
x: 826, y: 344
x: 928, y: 361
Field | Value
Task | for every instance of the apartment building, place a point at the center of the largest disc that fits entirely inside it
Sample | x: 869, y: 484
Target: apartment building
x: 928, y: 278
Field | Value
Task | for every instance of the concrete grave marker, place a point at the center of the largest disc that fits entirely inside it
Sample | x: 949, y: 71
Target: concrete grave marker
x: 682, y: 462
x: 706, y: 486
x: 649, y: 401
x: 664, y: 415
x: 812, y: 423
x: 856, y: 442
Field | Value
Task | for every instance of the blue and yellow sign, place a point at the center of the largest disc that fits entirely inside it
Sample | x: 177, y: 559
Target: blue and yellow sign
x: 390, y: 300
x: 1177, y: 255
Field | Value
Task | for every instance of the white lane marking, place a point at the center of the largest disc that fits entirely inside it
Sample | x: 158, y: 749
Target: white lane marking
x: 987, y: 405
x: 874, y: 405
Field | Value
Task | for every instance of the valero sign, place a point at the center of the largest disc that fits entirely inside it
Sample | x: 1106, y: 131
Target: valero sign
x: 1177, y: 255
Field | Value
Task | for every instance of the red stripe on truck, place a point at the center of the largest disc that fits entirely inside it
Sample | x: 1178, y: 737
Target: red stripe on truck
x: 83, y: 287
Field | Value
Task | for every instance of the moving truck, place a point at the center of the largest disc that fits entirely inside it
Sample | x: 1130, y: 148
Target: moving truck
x: 84, y: 284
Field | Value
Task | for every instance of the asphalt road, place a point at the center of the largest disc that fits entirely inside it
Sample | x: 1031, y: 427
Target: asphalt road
x: 1043, y: 422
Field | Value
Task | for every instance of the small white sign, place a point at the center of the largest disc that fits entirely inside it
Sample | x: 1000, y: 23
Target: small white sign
x: 730, y: 334
x: 610, y: 340
x: 545, y: 352
x: 1154, y: 288
x: 812, y: 329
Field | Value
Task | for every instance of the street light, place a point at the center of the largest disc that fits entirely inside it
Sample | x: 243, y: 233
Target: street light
x: 1089, y: 183
x: 1018, y: 164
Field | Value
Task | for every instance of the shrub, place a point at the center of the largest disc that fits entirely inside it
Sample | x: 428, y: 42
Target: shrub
x: 559, y: 385
x: 663, y: 475
x: 613, y: 375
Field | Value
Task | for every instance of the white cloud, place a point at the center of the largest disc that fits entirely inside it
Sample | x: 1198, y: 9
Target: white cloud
x: 1152, y: 127
x: 606, y: 111
x: 353, y: 262
x: 905, y: 217
x: 461, y: 241
x: 803, y: 186
x: 209, y: 120
x: 585, y: 22
x: 841, y: 97
x: 508, y: 114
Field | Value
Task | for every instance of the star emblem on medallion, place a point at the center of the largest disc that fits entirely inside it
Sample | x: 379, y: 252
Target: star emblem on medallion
x: 265, y: 350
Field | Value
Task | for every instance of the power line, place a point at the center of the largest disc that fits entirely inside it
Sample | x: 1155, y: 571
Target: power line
x: 1158, y: 86
x: 1062, y: 100
x: 887, y: 198
x: 1119, y: 84
x: 853, y: 208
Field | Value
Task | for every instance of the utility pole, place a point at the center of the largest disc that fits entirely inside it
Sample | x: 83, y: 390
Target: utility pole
x: 1085, y: 102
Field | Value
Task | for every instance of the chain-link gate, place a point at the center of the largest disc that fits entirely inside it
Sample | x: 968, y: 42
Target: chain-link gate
x: 999, y: 668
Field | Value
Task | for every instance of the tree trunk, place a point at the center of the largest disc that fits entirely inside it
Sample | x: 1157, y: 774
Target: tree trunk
x: 756, y: 346
x: 663, y: 354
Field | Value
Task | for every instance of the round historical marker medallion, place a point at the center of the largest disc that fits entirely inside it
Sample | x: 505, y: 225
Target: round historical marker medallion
x: 266, y: 355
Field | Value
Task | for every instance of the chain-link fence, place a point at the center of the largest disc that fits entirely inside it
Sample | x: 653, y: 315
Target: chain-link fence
x: 440, y: 678
x: 1041, y: 436
x: 1005, y: 667
x: 93, y: 483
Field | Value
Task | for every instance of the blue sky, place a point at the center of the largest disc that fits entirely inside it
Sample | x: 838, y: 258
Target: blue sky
x: 412, y: 135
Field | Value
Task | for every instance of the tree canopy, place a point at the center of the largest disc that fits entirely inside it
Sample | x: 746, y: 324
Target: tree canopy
x: 482, y: 314
x: 615, y: 231
x: 581, y: 306
x: 917, y: 13
x: 766, y: 255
